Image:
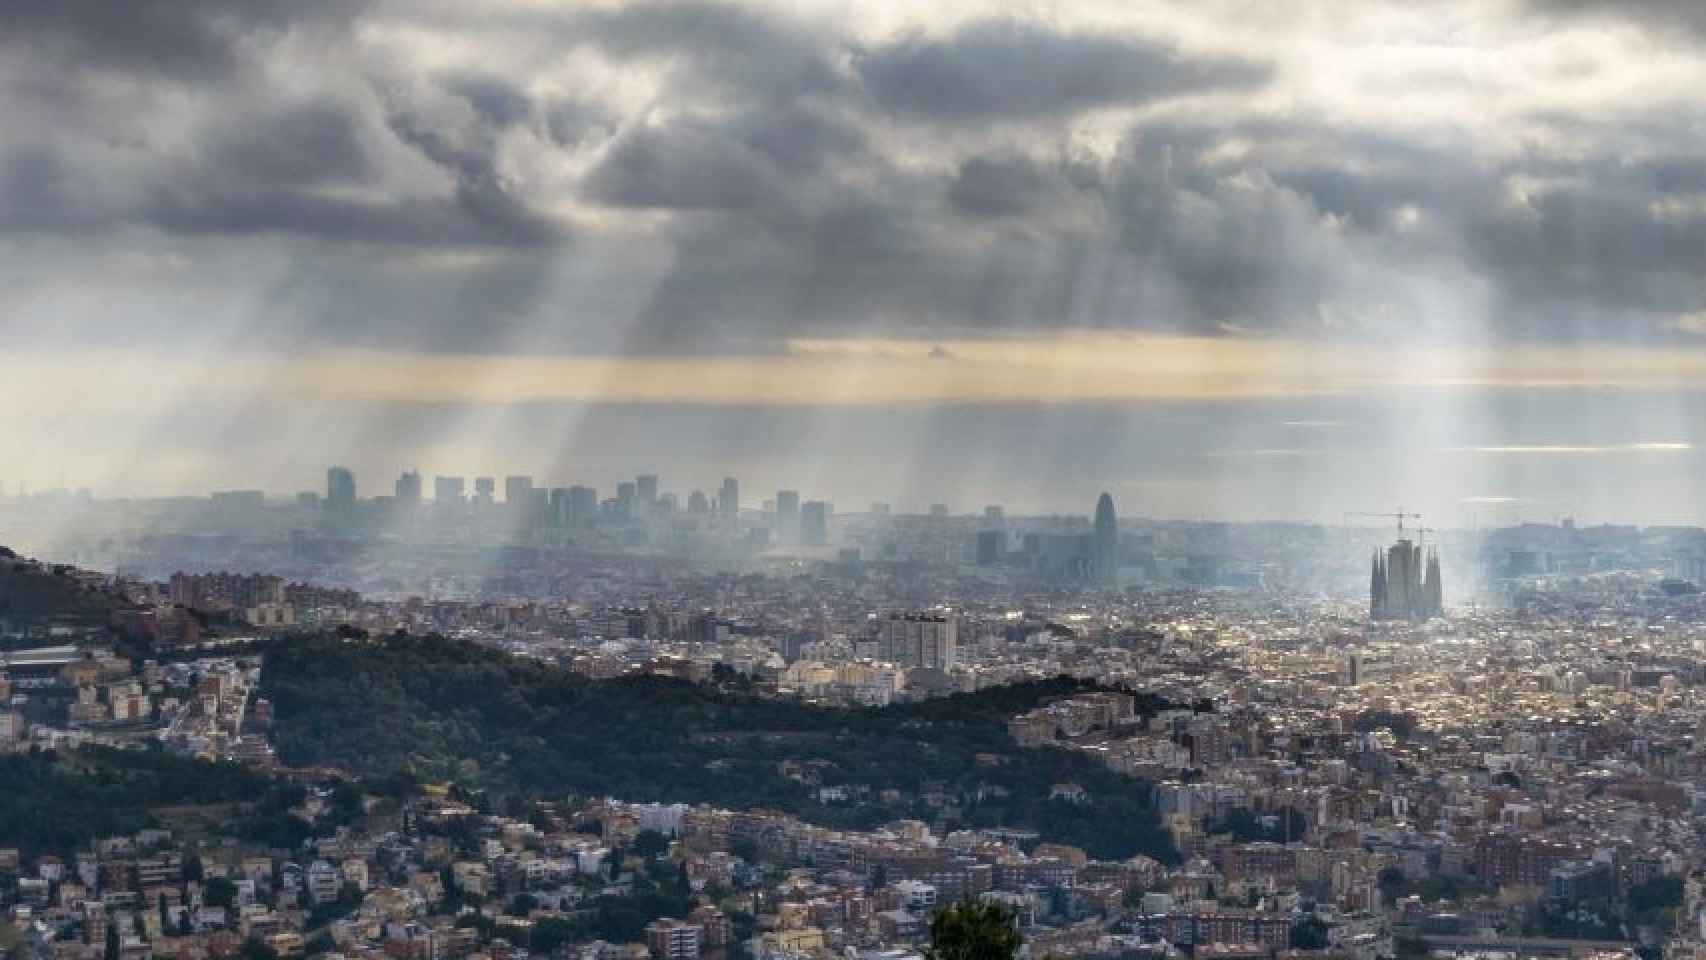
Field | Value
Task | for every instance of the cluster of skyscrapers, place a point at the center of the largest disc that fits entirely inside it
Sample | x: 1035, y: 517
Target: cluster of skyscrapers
x: 1070, y: 556
x: 796, y: 522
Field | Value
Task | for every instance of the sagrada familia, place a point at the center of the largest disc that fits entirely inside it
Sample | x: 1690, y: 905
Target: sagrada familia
x: 1400, y: 589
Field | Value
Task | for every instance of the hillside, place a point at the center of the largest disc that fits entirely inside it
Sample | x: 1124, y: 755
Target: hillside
x: 33, y: 593
x: 59, y: 801
x: 439, y: 708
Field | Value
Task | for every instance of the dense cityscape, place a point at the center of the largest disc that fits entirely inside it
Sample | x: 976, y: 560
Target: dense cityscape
x: 852, y: 480
x: 1306, y: 753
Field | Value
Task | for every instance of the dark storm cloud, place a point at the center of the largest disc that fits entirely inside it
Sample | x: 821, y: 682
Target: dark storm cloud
x: 497, y: 101
x: 571, y: 122
x: 685, y: 166
x: 996, y: 186
x: 36, y: 192
x: 183, y: 39
x: 298, y: 144
x: 722, y: 44
x: 1015, y: 70
x: 1664, y: 14
x: 498, y: 214
x: 906, y: 184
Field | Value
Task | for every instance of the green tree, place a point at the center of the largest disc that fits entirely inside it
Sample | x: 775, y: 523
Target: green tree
x: 974, y: 930
x: 220, y: 892
x: 650, y: 844
x: 1309, y: 933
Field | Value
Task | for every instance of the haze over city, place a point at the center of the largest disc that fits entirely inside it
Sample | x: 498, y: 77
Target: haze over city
x: 1226, y: 260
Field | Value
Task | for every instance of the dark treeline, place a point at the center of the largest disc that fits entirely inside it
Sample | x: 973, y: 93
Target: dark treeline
x: 440, y: 709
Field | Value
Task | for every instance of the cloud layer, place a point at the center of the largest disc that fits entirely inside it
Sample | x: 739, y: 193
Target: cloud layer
x: 696, y: 177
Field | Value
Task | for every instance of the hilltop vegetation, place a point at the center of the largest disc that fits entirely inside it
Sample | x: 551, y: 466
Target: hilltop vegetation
x: 32, y: 592
x: 442, y: 709
x: 58, y: 801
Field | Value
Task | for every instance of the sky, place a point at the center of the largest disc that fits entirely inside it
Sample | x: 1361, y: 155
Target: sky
x: 1223, y: 258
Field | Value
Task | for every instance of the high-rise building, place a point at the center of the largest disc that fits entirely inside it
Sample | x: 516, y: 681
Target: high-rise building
x: 583, y: 506
x: 646, y: 488
x: 788, y: 516
x: 557, y: 509
x: 518, y: 491
x: 340, y: 488
x: 448, y: 490
x: 938, y: 510
x: 485, y: 491
x: 814, y: 523
x: 408, y: 489
x: 989, y: 547
x: 626, y: 494
x: 1105, y: 543
x: 698, y: 504
x: 919, y: 639
x: 728, y: 500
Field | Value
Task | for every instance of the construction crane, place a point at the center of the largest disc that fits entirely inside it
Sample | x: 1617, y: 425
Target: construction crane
x: 1399, y: 515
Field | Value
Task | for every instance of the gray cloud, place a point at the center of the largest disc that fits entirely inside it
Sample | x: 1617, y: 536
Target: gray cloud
x: 1016, y: 70
x: 1663, y: 14
x: 776, y: 176
x: 196, y: 40
x: 722, y: 44
x: 686, y: 166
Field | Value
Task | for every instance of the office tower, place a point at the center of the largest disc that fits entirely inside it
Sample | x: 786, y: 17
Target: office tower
x: 698, y: 504
x: 989, y: 544
x: 583, y: 506
x: 485, y: 491
x: 1105, y: 543
x: 646, y: 488
x: 408, y: 489
x: 919, y: 639
x: 788, y: 516
x: 447, y: 490
x: 814, y: 523
x: 308, y: 499
x: 938, y: 510
x: 728, y: 500
x: 340, y: 488
x: 558, y: 509
x: 994, y: 514
x: 626, y: 494
x: 518, y: 490
x: 1433, y: 591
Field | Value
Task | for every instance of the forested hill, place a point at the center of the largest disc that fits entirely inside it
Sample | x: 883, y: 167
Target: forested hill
x: 439, y: 708
x: 32, y: 592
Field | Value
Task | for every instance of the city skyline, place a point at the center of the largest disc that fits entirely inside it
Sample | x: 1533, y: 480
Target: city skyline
x: 1226, y: 262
